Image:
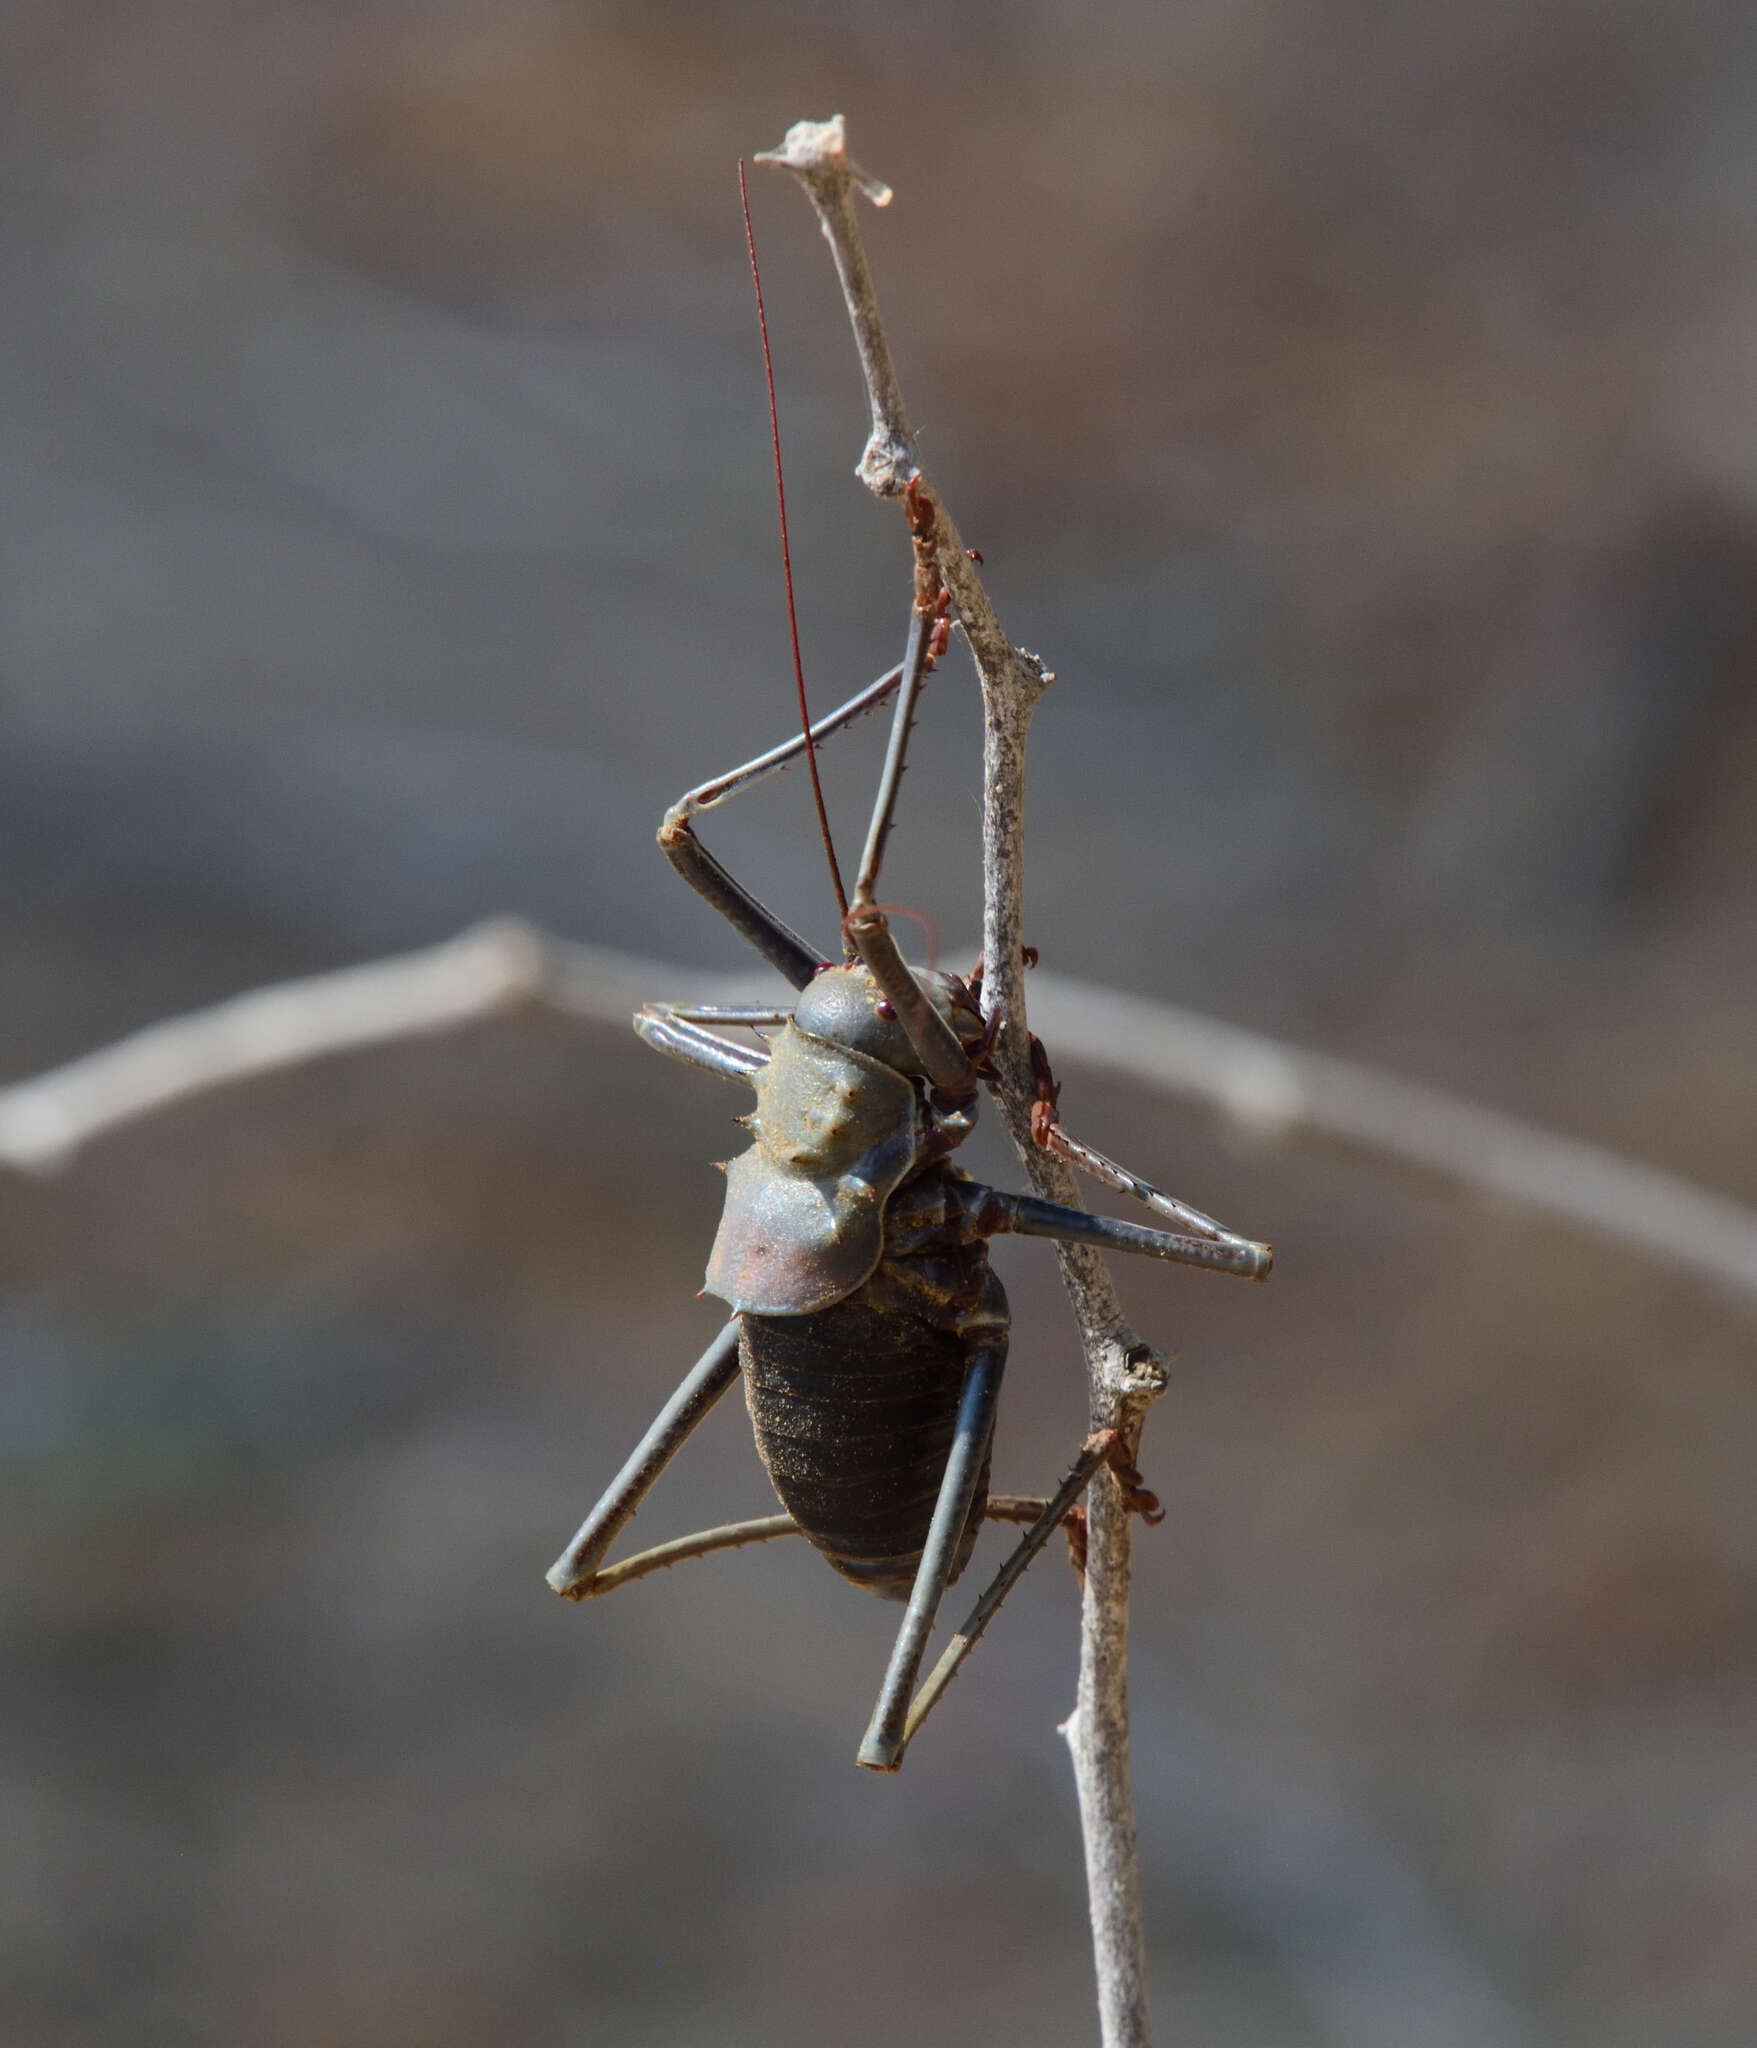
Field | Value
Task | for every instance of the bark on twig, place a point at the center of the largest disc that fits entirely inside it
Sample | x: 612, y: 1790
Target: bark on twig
x: 1124, y: 1374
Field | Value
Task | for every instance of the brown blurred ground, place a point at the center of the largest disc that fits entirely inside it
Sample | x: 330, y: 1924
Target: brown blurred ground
x: 1356, y: 408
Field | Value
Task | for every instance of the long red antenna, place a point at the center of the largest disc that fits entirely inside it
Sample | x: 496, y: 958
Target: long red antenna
x: 817, y: 788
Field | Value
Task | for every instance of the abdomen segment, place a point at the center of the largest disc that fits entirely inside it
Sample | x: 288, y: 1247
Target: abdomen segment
x: 854, y: 1411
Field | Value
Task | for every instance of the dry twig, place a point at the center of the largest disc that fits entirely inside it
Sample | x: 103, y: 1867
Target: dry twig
x: 1124, y: 1374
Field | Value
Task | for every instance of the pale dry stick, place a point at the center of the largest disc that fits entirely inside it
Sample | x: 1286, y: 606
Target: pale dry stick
x: 1274, y: 1092
x: 1124, y: 1374
x: 489, y: 969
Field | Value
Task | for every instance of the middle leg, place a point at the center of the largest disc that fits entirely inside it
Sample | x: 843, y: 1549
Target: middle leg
x: 1046, y: 1130
x: 994, y: 1213
x: 674, y: 1029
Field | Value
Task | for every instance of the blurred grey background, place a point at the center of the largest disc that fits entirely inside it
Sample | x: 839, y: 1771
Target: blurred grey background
x: 1355, y: 405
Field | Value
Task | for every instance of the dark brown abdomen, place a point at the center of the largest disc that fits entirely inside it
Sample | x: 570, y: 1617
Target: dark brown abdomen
x: 854, y: 1412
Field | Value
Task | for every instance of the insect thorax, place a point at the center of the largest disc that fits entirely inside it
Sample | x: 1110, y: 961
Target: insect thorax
x: 842, y: 1119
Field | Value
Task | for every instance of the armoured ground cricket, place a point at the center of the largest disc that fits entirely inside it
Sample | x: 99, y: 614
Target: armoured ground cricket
x: 853, y: 1253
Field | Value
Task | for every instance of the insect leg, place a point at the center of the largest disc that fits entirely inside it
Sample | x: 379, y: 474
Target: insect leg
x: 882, y: 1748
x: 729, y: 1536
x: 1023, y: 1508
x: 706, y: 1381
x: 777, y: 942
x: 928, y: 627
x: 1111, y: 1175
x: 947, y: 1065
x: 724, y: 1013
x: 1046, y: 1130
x: 669, y: 1029
x: 1051, y: 1514
x: 891, y: 777
x: 1027, y: 1216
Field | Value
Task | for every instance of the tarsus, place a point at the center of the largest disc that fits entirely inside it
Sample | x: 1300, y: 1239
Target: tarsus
x: 817, y: 788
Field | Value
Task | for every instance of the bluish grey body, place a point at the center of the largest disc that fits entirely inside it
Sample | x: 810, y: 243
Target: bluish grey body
x: 870, y: 1330
x: 845, y: 1247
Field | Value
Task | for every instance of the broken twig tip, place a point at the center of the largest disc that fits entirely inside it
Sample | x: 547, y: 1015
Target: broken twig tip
x: 819, y: 149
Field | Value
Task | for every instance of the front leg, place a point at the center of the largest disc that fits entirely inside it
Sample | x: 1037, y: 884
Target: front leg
x: 777, y: 942
x: 993, y: 1212
x: 675, y: 1029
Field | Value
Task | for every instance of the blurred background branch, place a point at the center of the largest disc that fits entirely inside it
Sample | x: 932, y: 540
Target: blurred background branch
x: 1270, y: 1092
